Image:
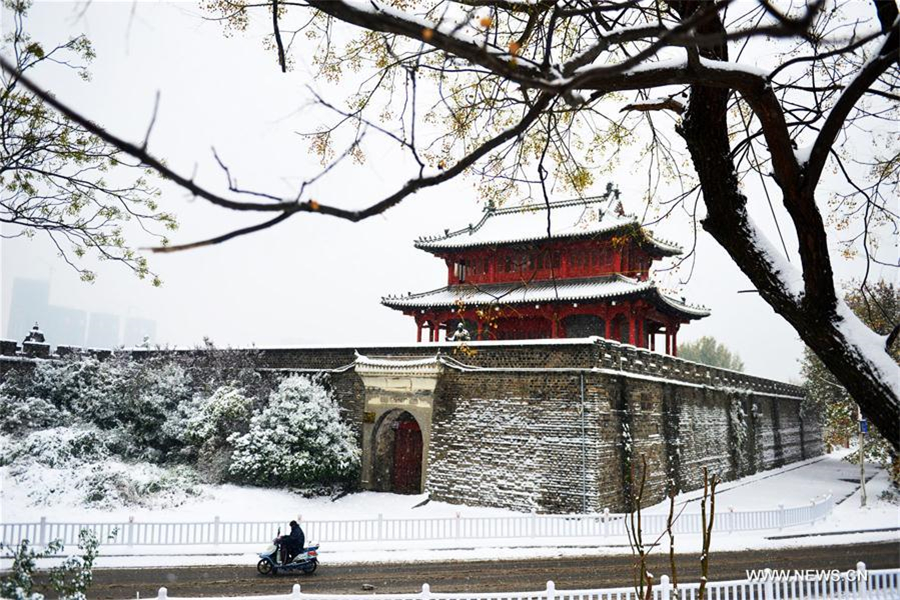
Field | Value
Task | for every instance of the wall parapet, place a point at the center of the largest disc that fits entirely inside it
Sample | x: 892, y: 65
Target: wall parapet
x: 629, y: 359
x: 582, y: 353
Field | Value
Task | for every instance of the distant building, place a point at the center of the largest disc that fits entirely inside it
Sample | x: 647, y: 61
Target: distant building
x: 573, y: 268
x: 103, y: 331
x: 66, y: 325
x: 29, y: 303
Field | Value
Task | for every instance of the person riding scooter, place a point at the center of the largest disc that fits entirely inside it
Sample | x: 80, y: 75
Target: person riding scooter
x: 291, y: 544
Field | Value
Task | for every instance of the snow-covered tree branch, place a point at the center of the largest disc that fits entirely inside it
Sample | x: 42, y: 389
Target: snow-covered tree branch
x: 524, y: 96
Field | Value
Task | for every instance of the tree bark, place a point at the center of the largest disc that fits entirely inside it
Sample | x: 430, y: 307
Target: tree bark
x: 813, y: 316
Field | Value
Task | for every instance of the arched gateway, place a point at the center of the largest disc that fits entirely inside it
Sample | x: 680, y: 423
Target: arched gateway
x: 397, y: 422
x: 397, y: 453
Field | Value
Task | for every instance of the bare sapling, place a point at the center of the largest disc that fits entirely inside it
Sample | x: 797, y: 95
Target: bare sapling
x: 635, y: 533
x: 709, y: 494
x: 643, y: 579
x: 648, y: 592
x: 671, y: 533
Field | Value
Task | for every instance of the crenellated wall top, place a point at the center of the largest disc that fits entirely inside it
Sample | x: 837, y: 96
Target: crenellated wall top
x: 583, y: 354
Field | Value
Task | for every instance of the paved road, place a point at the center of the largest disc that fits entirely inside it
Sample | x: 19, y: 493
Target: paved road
x: 568, y: 573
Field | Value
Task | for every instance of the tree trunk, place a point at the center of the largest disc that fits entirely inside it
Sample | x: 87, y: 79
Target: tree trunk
x: 705, y: 129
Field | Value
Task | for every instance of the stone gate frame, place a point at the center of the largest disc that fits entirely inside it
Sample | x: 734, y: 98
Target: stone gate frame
x: 393, y: 386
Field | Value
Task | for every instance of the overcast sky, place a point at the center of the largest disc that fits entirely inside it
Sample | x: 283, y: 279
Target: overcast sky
x: 313, y: 279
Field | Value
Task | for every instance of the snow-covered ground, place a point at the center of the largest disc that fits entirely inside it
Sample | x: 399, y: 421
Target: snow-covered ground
x: 791, y: 485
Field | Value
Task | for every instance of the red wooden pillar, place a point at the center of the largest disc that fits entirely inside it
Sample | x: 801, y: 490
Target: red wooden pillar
x: 653, y: 341
x: 668, y: 342
x: 606, y: 320
x: 639, y: 330
x: 631, y: 327
x: 675, y: 341
x: 418, y: 332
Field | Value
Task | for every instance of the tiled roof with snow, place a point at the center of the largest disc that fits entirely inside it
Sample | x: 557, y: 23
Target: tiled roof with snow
x: 564, y: 290
x: 581, y: 217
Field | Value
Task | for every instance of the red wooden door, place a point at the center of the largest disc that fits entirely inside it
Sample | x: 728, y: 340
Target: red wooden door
x: 407, y: 474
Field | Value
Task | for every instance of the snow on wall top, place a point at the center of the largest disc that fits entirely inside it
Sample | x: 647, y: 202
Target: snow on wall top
x: 579, y: 217
x: 392, y: 366
x: 566, y: 290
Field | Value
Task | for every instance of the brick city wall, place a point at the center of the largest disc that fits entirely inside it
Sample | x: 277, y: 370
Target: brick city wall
x: 532, y: 442
x: 561, y: 426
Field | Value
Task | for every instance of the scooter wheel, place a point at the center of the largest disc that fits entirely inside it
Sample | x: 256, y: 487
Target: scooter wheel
x: 311, y: 568
x: 265, y: 567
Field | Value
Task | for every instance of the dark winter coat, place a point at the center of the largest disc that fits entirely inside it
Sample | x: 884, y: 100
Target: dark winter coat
x: 295, y: 539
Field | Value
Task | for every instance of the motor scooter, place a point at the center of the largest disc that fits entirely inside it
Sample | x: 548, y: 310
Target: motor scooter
x: 270, y: 560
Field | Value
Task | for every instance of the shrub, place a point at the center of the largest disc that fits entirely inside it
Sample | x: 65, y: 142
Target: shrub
x: 132, y: 399
x: 209, y: 420
x: 299, y: 439
x: 59, y: 382
x: 74, y: 576
x: 18, y: 582
x: 70, y: 580
x: 105, y: 390
x: 111, y: 485
x: 57, y: 447
x: 144, y: 414
x: 204, y: 424
x: 18, y: 415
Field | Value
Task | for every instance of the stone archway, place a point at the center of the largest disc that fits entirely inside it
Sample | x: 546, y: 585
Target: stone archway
x: 397, y: 453
x: 397, y: 421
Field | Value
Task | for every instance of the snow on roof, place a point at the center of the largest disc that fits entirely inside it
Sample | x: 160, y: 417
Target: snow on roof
x: 565, y: 290
x: 579, y: 217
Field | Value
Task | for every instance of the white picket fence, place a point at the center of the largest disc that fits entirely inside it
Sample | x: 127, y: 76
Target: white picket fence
x: 852, y: 585
x: 380, y: 529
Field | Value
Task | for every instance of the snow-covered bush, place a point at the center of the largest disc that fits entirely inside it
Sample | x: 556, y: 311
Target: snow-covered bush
x: 299, y: 439
x: 102, y: 397
x: 59, y: 382
x: 204, y: 424
x: 145, y: 409
x: 70, y: 579
x: 44, y: 395
x: 214, y: 367
x: 112, y: 485
x: 57, y: 447
x: 132, y: 399
x: 18, y: 415
x: 18, y: 582
x: 209, y: 420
